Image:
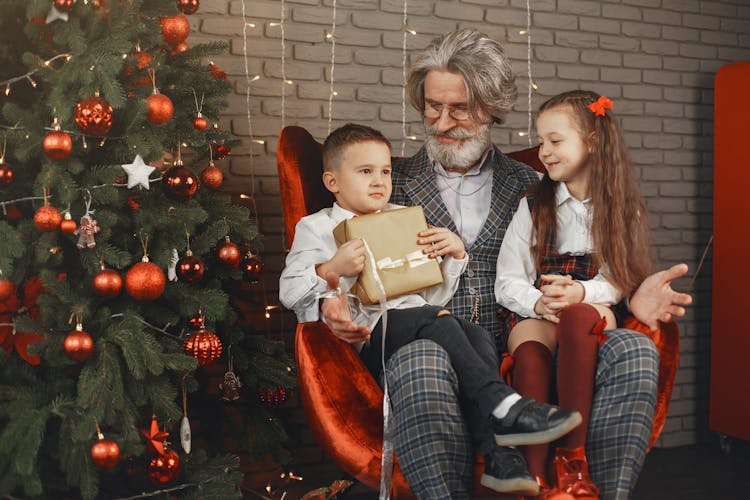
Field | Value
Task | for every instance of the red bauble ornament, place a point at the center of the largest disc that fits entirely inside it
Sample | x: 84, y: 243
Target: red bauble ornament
x: 200, y: 122
x: 68, y: 225
x: 179, y: 48
x: 228, y: 253
x: 251, y: 267
x: 57, y: 145
x: 188, y: 6
x: 105, y: 453
x: 64, y: 5
x: 221, y: 151
x: 175, y: 29
x: 203, y: 345
x: 160, y: 108
x: 47, y: 218
x: 163, y: 469
x: 179, y: 182
x: 107, y: 283
x: 212, y: 177
x: 78, y: 345
x: 272, y: 397
x: 7, y: 288
x: 94, y: 115
x: 190, y: 268
x: 6, y: 174
x: 145, y: 280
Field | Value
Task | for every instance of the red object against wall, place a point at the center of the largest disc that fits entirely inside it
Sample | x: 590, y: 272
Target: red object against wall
x: 729, y: 411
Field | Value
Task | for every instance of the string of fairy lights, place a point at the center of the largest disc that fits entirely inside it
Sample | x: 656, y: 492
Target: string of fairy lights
x: 332, y: 37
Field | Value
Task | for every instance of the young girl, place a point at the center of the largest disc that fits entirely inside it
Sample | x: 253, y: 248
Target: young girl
x: 576, y: 246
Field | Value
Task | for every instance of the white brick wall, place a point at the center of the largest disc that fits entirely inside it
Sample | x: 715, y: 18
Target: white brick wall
x: 655, y: 58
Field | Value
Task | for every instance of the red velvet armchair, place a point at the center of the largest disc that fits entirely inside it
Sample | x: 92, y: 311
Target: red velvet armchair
x: 342, y: 401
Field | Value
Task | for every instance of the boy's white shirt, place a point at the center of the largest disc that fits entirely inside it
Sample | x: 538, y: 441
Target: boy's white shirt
x: 300, y: 286
x: 516, y: 270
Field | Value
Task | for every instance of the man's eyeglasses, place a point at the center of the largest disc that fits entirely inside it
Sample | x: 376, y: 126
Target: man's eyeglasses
x: 434, y: 111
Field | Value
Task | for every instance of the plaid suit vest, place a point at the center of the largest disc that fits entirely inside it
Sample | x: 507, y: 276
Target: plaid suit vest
x: 414, y: 184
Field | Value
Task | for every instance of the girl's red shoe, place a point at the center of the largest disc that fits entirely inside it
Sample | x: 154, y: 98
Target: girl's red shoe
x: 573, y: 478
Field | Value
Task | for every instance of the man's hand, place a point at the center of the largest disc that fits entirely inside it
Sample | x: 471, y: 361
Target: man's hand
x: 336, y: 315
x: 442, y: 241
x: 655, y: 300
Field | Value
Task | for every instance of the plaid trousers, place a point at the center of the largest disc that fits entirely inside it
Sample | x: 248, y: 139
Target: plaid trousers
x: 434, y: 445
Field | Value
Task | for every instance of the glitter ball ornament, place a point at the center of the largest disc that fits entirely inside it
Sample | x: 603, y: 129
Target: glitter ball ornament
x: 6, y: 174
x: 211, y: 176
x: 145, y: 280
x: 174, y: 29
x: 94, y: 115
x: 64, y: 5
x: 179, y: 182
x: 47, y: 218
x: 7, y: 288
x: 200, y: 122
x: 190, y: 268
x: 107, y: 283
x: 203, y: 345
x: 57, y: 145
x: 272, y: 397
x: 163, y: 469
x: 160, y: 108
x: 221, y: 151
x: 78, y: 345
x: 105, y: 453
x: 251, y: 267
x: 188, y: 6
x: 228, y: 253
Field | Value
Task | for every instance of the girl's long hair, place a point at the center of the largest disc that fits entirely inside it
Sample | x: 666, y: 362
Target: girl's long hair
x: 619, y: 228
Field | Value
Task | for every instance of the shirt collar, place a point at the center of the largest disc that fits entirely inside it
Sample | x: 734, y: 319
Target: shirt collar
x: 477, y: 169
x: 339, y: 214
x: 562, y: 195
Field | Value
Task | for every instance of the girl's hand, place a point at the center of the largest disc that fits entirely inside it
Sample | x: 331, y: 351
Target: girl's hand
x: 549, y: 307
x: 443, y: 242
x: 349, y: 260
x: 562, y: 288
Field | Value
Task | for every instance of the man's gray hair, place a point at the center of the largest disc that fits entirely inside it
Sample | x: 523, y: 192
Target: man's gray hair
x: 481, y: 61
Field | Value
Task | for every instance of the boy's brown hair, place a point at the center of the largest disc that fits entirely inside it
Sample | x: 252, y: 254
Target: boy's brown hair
x: 339, y: 139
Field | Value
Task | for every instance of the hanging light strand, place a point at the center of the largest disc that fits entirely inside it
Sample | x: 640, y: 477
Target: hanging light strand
x: 528, y: 68
x: 283, y: 64
x: 27, y: 76
x: 248, y: 80
x: 333, y: 65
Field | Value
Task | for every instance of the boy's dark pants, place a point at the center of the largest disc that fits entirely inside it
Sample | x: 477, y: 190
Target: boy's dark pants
x: 471, y: 350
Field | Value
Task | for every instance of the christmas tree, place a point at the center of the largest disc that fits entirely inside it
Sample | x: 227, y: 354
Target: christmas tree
x: 118, y: 258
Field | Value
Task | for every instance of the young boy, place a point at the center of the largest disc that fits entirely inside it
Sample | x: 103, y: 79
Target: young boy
x: 357, y: 170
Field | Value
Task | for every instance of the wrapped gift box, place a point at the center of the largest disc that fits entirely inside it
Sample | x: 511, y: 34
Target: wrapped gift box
x: 391, y: 236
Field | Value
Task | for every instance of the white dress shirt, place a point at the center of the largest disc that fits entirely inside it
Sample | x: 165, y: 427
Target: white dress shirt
x: 475, y: 186
x: 516, y: 269
x: 300, y: 286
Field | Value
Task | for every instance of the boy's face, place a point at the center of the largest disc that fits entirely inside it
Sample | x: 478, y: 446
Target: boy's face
x: 362, y: 183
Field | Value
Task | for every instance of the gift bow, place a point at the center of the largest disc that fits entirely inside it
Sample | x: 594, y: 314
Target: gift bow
x: 600, y: 105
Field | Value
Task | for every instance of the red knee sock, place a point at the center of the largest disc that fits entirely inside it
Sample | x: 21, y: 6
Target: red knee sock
x: 578, y: 334
x: 532, y: 372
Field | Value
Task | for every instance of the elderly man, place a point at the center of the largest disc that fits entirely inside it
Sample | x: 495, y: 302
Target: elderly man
x: 463, y: 84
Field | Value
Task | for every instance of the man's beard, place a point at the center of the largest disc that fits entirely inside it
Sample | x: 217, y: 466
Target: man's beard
x: 462, y: 155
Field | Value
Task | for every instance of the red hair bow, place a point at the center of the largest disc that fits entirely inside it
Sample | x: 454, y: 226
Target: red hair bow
x: 600, y: 105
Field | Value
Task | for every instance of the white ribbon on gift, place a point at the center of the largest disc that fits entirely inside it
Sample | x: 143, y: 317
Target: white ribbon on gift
x: 413, y: 259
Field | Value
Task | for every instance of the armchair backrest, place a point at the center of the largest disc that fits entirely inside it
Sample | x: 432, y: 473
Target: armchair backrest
x: 300, y: 164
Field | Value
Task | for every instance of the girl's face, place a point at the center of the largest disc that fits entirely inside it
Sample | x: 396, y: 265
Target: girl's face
x: 563, y: 150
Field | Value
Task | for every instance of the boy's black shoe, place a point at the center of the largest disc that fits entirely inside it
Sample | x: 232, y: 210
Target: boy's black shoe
x: 531, y: 422
x: 505, y: 471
